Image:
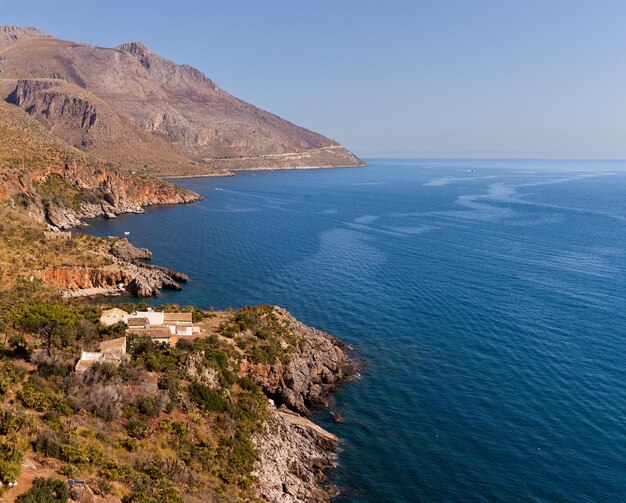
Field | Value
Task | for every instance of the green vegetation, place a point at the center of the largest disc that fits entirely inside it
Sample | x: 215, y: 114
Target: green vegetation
x: 45, y: 491
x: 171, y: 422
x: 258, y: 330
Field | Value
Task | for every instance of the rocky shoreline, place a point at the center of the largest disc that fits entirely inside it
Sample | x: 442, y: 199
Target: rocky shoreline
x: 294, y: 452
x: 128, y: 273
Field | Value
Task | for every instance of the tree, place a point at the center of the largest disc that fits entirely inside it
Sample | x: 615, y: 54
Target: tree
x: 47, y: 320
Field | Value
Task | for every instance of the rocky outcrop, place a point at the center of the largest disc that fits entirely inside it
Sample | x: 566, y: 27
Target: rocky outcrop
x: 295, y: 453
x: 317, y: 366
x: 12, y: 34
x: 293, y: 458
x: 124, y: 250
x: 87, y: 122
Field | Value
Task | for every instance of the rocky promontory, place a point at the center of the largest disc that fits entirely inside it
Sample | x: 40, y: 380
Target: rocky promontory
x: 316, y: 366
x: 294, y: 452
x: 64, y: 195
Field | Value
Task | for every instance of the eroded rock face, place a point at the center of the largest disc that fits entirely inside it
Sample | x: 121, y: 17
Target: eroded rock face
x: 292, y: 461
x: 294, y: 453
x: 106, y: 193
x: 141, y: 280
x: 316, y: 368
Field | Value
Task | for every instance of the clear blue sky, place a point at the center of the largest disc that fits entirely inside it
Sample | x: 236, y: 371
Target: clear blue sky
x: 480, y: 78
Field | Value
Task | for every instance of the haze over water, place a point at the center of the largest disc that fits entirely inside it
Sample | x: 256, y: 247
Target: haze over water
x: 487, y: 298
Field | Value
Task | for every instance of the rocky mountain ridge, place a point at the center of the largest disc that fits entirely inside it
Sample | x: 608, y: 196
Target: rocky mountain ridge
x: 155, y: 105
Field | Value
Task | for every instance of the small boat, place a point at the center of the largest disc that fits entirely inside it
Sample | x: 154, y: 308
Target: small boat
x: 126, y: 233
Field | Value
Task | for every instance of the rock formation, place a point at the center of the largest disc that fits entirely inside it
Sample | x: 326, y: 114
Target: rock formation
x: 295, y: 453
x: 293, y: 459
x: 317, y: 366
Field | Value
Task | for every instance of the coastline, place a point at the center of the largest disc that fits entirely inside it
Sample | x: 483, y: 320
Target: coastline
x: 287, y: 438
x: 235, y: 171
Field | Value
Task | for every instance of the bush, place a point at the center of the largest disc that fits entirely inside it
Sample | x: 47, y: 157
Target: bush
x: 48, y: 444
x: 45, y: 491
x: 137, y: 429
x: 9, y: 471
x: 170, y: 382
x: 207, y: 398
x: 185, y: 345
x: 48, y: 367
x: 74, y: 454
x: 10, y: 374
x: 33, y: 396
x: 104, y: 401
x: 151, y: 405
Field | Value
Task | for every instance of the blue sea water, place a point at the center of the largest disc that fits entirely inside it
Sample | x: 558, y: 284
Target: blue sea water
x: 488, y: 299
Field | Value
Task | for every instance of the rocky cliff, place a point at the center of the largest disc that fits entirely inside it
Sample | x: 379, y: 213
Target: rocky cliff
x: 295, y: 453
x: 63, y: 195
x: 126, y: 271
x: 12, y: 34
x: 316, y: 366
x: 144, y: 100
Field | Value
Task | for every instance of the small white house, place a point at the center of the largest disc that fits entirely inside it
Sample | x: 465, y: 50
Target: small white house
x: 179, y: 323
x: 155, y: 318
x: 112, y: 316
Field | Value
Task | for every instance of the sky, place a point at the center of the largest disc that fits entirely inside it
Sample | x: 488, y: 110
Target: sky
x: 411, y: 78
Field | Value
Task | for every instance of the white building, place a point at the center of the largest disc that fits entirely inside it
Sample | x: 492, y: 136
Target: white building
x: 155, y: 318
x: 112, y: 316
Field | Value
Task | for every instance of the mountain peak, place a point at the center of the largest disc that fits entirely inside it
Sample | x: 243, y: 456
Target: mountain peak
x: 135, y: 48
x: 11, y: 34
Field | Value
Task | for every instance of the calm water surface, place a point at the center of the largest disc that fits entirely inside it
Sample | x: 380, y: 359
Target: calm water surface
x: 488, y: 298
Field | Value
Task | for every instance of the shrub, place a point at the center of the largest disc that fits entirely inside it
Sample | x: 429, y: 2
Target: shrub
x: 137, y: 429
x: 48, y: 367
x: 48, y: 444
x: 130, y: 444
x: 151, y: 405
x: 249, y: 384
x: 184, y: 345
x: 207, y: 398
x: 33, y: 396
x: 74, y: 454
x: 170, y: 383
x: 9, y: 471
x: 10, y: 374
x: 104, y: 401
x: 45, y: 491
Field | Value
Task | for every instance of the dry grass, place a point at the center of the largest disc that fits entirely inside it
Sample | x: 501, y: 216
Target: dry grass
x: 23, y: 248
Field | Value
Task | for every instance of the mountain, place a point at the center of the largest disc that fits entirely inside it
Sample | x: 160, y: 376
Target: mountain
x: 133, y: 107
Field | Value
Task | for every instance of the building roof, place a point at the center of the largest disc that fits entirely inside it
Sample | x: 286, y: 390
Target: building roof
x: 113, y: 344
x: 115, y: 311
x: 138, y: 322
x: 177, y: 317
x: 83, y: 365
x: 150, y: 332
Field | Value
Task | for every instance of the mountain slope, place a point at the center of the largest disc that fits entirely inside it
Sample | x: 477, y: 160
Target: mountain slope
x: 173, y: 103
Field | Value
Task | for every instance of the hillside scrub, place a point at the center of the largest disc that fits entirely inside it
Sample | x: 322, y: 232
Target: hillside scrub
x: 171, y: 423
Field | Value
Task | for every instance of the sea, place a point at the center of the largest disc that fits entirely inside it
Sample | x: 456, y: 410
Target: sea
x: 486, y: 300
